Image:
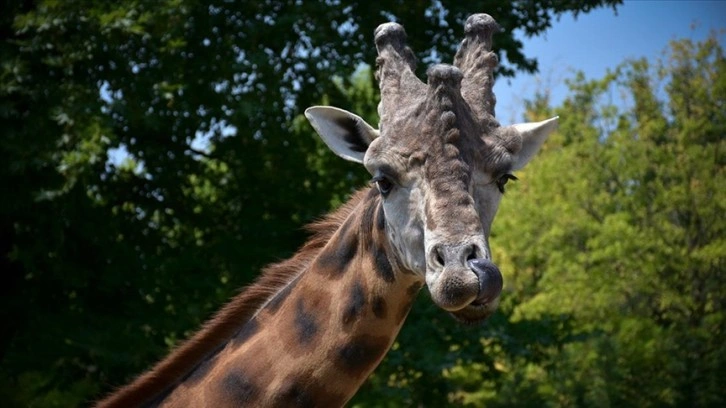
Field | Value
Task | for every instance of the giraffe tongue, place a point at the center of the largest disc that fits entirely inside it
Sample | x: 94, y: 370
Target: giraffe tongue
x: 490, y: 280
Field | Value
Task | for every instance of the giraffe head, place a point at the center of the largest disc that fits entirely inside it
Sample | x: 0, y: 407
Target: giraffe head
x: 440, y: 161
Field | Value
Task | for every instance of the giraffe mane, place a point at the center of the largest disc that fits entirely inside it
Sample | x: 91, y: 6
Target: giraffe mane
x: 153, y: 385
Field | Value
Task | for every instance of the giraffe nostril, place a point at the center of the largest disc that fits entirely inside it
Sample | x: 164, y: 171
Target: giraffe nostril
x: 439, y: 257
x: 448, y: 255
x: 472, y: 253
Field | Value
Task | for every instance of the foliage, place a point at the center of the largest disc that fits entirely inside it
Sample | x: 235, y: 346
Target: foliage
x: 111, y: 258
x: 616, y: 244
x: 613, y: 249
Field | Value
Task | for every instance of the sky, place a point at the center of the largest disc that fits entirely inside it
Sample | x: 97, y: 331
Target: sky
x: 602, y: 39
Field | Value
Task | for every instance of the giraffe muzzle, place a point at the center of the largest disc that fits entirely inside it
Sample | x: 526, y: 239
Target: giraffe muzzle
x: 461, y: 281
x: 487, y: 300
x: 466, y: 286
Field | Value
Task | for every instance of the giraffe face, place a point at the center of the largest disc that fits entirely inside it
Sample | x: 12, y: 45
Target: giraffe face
x: 440, y: 162
x: 441, y: 182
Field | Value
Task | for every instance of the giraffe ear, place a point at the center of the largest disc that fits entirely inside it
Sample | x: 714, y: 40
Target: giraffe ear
x: 533, y: 135
x: 346, y: 134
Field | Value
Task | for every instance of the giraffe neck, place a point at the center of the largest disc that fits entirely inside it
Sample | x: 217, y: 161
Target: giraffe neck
x: 316, y: 341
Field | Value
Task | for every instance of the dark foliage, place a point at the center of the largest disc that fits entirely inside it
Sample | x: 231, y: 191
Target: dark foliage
x: 110, y: 258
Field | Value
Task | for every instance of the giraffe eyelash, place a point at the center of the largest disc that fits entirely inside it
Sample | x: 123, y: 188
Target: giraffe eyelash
x: 502, y: 181
x: 383, y: 183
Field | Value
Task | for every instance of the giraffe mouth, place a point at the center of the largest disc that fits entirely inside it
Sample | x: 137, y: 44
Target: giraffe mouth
x: 479, y: 303
x: 475, y: 312
x: 487, y: 300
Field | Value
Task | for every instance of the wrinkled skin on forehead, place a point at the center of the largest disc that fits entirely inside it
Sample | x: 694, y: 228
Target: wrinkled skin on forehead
x: 439, y: 180
x: 440, y: 161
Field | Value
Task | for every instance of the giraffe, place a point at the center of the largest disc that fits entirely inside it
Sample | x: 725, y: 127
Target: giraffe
x: 312, y: 328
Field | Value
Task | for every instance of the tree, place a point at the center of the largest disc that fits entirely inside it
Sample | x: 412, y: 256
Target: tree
x: 616, y: 243
x: 109, y: 259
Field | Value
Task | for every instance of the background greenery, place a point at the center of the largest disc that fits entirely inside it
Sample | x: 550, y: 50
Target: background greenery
x: 613, y: 245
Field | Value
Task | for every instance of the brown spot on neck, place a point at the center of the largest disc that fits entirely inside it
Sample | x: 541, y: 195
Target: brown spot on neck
x: 248, y: 330
x: 302, y: 391
x: 355, y: 304
x: 380, y: 307
x: 239, y: 389
x: 305, y: 323
x: 360, y: 355
x: 382, y: 265
x: 342, y: 249
x: 413, y: 289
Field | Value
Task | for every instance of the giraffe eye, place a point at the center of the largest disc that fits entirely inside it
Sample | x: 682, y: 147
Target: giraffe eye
x: 384, y: 184
x: 502, y: 181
